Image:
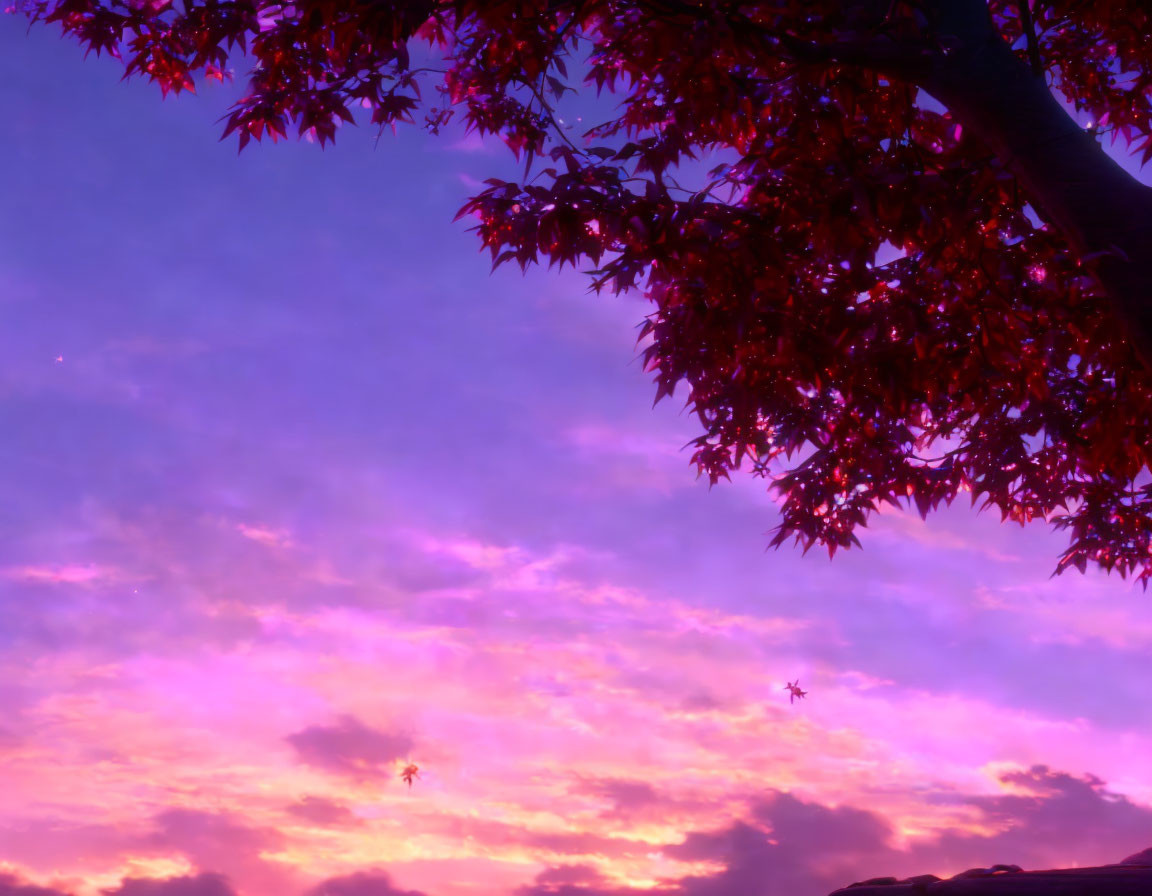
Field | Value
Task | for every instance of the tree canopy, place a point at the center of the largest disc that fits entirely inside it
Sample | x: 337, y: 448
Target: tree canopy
x: 915, y: 275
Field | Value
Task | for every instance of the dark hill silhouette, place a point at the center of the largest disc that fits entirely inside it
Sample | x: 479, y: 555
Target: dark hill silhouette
x: 1130, y: 877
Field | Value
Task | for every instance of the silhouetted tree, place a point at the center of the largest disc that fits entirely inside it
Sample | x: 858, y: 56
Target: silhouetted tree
x: 876, y: 297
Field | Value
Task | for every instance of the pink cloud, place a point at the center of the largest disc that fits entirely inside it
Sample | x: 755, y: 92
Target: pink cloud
x: 319, y: 810
x: 204, y: 884
x: 783, y: 843
x: 273, y: 538
x: 632, y: 459
x: 349, y: 747
x: 1072, y: 609
x: 11, y: 885
x: 361, y: 883
x: 226, y: 844
x: 64, y: 574
x: 934, y: 533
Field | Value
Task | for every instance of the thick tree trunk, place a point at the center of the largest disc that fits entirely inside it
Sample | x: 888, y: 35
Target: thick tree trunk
x: 1105, y: 213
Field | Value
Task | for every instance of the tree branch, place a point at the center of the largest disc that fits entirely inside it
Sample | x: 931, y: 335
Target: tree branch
x: 881, y: 53
x: 1102, y: 210
x: 1029, y: 29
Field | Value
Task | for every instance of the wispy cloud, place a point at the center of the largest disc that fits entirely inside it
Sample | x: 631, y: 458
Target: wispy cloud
x: 273, y: 538
x: 906, y: 525
x: 319, y: 810
x: 85, y: 574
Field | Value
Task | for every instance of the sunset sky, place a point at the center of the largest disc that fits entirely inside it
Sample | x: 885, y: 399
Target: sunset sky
x: 294, y: 492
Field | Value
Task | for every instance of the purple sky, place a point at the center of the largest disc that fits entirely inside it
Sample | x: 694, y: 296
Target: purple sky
x: 295, y: 492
